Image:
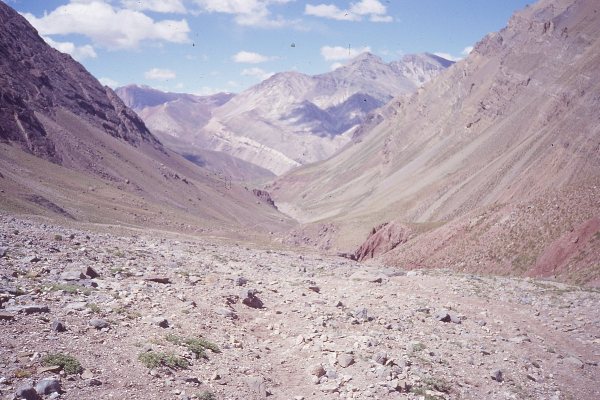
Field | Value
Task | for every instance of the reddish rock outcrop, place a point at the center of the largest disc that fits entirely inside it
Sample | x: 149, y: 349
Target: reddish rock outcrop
x: 264, y: 196
x: 382, y: 239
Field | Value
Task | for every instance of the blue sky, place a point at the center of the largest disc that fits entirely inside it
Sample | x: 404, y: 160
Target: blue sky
x: 205, y: 46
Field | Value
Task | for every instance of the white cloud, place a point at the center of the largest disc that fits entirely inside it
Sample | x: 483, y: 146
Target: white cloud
x: 108, y: 26
x: 249, y: 57
x: 448, y: 56
x: 162, y: 6
x: 79, y: 53
x: 257, y: 73
x: 467, y: 50
x: 330, y: 11
x: 160, y: 74
x: 337, y: 53
x: 373, y: 9
x: 254, y: 13
x: 207, y: 91
x: 108, y: 82
x: 336, y: 65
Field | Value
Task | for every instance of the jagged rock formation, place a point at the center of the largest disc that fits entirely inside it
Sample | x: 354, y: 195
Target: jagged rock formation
x: 37, y: 81
x: 509, y: 129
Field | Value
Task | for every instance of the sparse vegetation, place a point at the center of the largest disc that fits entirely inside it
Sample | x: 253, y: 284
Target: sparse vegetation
x: 23, y: 373
x: 198, y: 346
x: 69, y: 288
x: 58, y: 237
x: 94, y: 308
x: 153, y: 359
x: 69, y: 364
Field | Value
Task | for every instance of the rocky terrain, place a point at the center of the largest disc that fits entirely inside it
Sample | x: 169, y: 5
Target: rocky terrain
x: 91, y: 312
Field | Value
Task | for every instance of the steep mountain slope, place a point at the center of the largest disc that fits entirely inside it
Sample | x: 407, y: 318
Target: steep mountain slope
x: 70, y: 148
x: 174, y: 117
x: 289, y: 119
x: 512, y: 128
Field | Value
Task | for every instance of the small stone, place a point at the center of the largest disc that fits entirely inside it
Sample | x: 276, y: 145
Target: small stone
x: 50, y: 368
x: 240, y: 281
x: 249, y: 298
x: 98, y: 323
x: 47, y: 386
x: 58, y: 326
x: 575, y: 362
x: 161, y: 322
x: 345, y: 360
x: 4, y: 316
x: 29, y: 309
x: 87, y: 374
x: 72, y: 275
x: 91, y: 272
x: 226, y: 312
x: 257, y: 386
x: 158, y: 279
x: 315, y: 289
x: 27, y: 392
x: 316, y: 370
x: 380, y: 358
x: 3, y: 252
x: 497, y: 375
x: 93, y: 382
x: 447, y: 316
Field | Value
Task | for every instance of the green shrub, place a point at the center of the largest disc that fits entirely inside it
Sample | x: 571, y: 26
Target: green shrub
x: 69, y: 364
x: 153, y: 359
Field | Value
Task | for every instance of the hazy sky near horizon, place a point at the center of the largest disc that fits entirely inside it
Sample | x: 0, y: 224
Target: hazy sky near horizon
x: 206, y: 46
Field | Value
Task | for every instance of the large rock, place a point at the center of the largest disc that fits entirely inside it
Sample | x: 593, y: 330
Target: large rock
x: 250, y: 299
x: 47, y: 386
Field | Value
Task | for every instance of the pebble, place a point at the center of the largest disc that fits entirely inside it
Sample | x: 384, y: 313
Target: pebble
x: 98, y: 323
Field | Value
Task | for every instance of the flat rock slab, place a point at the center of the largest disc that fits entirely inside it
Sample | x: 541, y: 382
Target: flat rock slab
x: 5, y: 316
x: 28, y: 309
x: 158, y: 279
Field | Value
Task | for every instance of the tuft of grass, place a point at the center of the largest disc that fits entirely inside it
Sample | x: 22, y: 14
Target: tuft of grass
x: 23, y: 373
x: 418, y: 347
x: 69, y: 288
x: 198, y: 346
x: 128, y: 313
x: 69, y: 364
x: 58, y: 238
x: 153, y: 359
x: 94, y: 308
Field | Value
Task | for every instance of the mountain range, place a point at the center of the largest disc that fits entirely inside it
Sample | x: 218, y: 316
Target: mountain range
x: 288, y: 120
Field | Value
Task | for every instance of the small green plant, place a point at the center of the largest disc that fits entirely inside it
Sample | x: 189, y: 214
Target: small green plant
x: 69, y: 288
x: 94, y: 308
x: 58, y: 237
x: 128, y: 313
x: 206, y: 395
x: 69, y: 364
x: 23, y: 373
x: 153, y: 359
x: 195, y: 345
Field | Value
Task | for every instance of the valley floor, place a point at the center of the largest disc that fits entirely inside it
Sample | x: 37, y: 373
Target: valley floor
x: 328, y: 328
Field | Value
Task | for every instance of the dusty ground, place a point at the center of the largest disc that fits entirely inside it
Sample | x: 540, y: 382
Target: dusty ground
x: 374, y: 332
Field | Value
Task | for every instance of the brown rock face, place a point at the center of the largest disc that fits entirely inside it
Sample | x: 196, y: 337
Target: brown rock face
x: 382, y: 239
x: 264, y: 196
x: 37, y: 80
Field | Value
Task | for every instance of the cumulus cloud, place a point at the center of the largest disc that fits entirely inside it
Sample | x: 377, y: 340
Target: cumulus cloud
x: 374, y: 10
x: 253, y: 13
x: 336, y: 65
x: 79, y: 53
x: 338, y: 53
x: 161, y: 6
x: 108, y: 26
x: 108, y: 82
x: 257, y: 73
x: 467, y: 50
x: 158, y: 74
x: 249, y: 57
